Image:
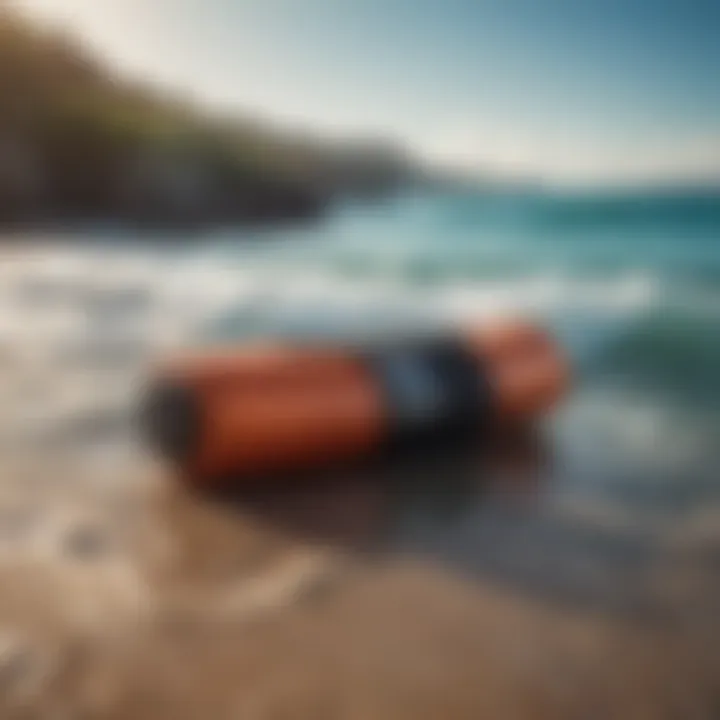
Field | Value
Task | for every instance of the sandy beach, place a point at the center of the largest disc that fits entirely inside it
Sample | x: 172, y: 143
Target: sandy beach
x: 144, y: 600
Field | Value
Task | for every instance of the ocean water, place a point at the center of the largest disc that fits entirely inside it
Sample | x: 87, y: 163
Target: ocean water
x: 630, y: 284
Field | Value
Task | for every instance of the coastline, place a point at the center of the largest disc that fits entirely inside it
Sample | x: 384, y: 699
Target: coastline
x: 81, y: 141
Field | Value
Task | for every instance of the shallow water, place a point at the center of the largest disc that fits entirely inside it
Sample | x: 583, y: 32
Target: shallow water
x: 631, y: 286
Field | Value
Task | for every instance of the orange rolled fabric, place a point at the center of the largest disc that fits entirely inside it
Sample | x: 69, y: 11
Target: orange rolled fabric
x: 250, y: 411
x: 526, y: 370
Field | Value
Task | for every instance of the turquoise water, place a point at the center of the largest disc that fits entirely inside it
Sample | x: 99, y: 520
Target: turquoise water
x: 631, y: 285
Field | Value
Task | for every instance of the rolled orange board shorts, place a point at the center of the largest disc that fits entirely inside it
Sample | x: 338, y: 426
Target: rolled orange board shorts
x: 276, y: 407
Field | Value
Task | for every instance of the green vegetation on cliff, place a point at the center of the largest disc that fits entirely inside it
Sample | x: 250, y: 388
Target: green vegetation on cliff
x: 78, y: 142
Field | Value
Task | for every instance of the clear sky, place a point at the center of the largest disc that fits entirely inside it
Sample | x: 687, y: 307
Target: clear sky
x: 566, y: 89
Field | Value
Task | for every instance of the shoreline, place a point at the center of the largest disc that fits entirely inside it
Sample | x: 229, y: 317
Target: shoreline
x: 13, y: 233
x: 153, y: 602
x: 410, y: 588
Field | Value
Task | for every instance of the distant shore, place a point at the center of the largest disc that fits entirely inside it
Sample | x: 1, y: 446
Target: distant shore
x: 80, y: 143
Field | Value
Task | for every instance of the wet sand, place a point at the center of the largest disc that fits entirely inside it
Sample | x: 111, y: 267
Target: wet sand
x: 442, y: 588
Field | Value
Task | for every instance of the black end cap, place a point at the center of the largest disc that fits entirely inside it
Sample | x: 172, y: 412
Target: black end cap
x: 169, y: 421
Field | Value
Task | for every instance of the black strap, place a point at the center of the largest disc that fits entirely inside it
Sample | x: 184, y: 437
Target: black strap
x: 436, y: 390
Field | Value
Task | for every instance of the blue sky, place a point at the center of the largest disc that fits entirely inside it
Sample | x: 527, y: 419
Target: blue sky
x: 565, y: 89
